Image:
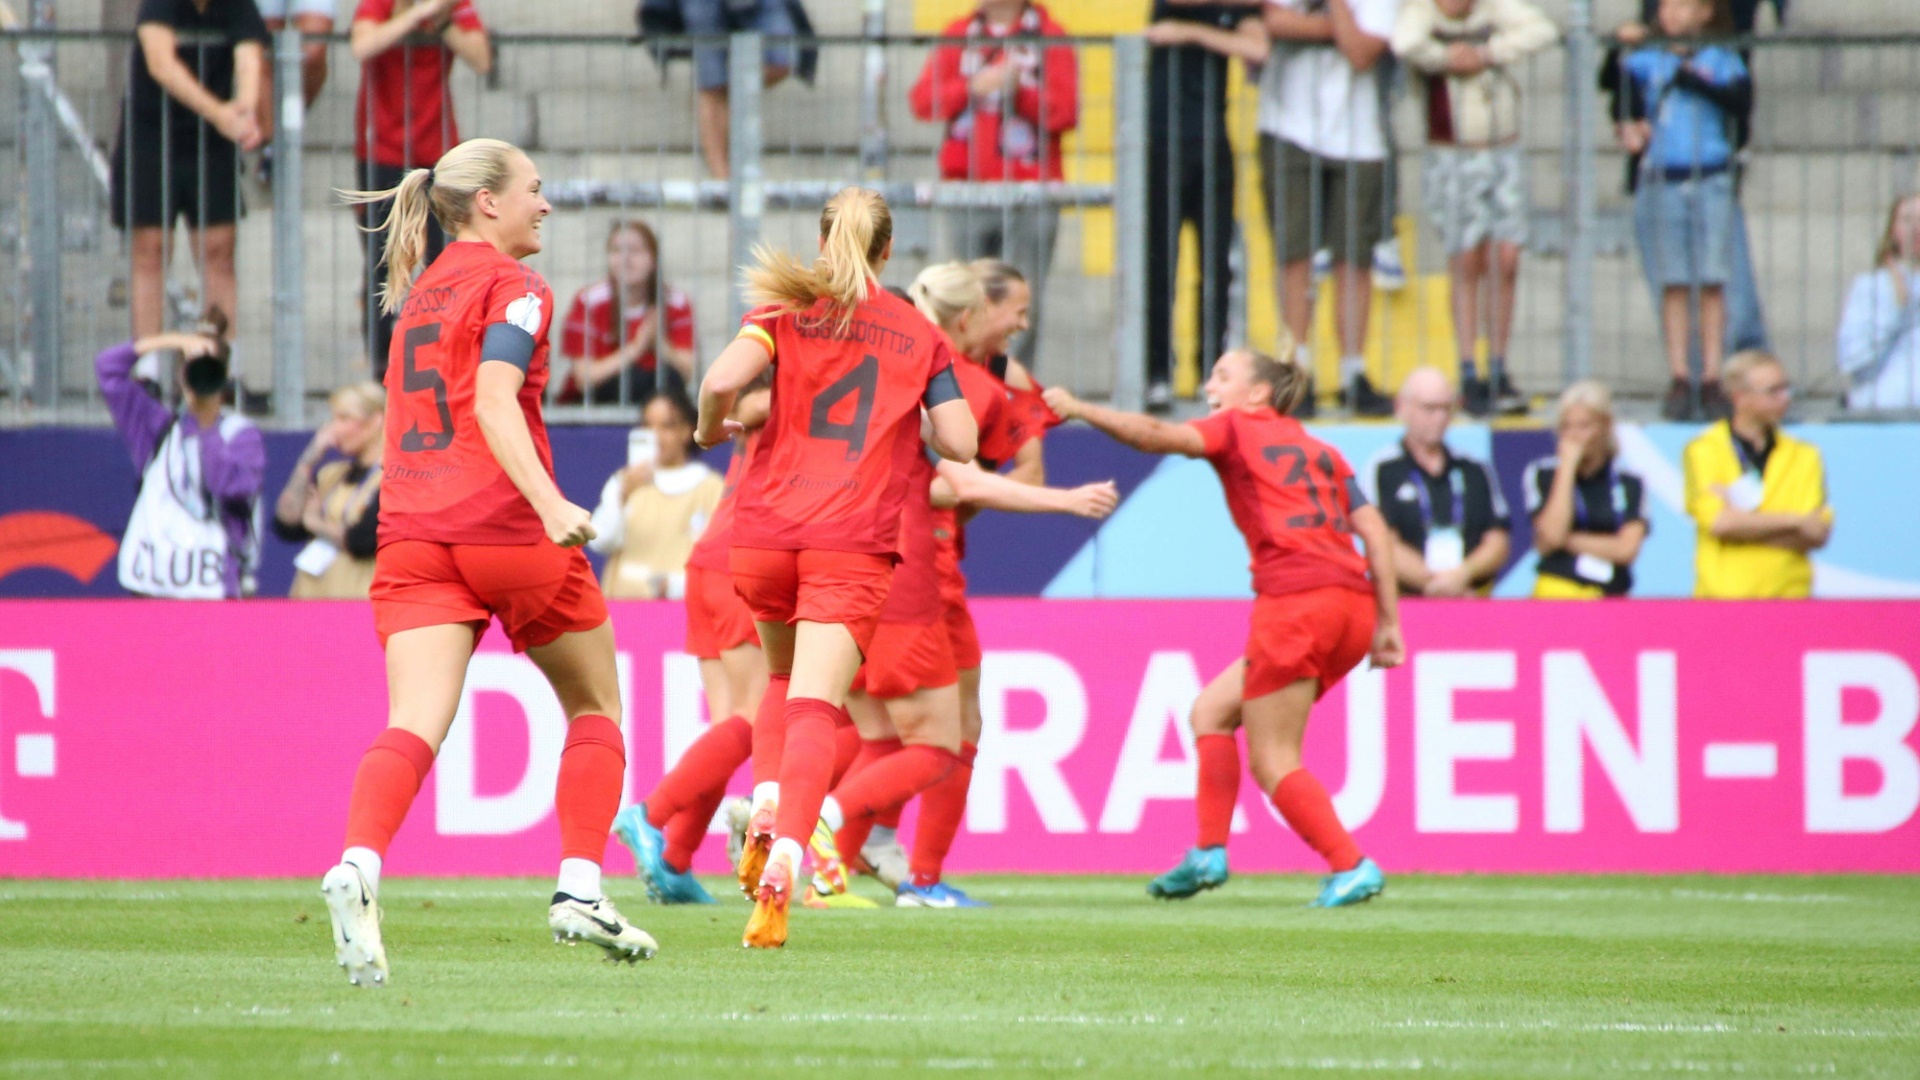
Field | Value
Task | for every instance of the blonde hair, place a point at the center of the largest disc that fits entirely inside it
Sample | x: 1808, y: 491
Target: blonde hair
x: 945, y: 291
x: 363, y: 399
x: 446, y: 191
x: 1593, y: 396
x: 1283, y: 374
x: 997, y: 277
x: 1888, y: 248
x: 1743, y: 363
x: 855, y: 228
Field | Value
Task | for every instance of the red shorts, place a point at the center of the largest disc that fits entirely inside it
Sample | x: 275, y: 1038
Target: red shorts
x: 1320, y: 634
x: 907, y: 657
x: 538, y: 591
x: 844, y: 587
x: 717, y: 619
x: 960, y: 632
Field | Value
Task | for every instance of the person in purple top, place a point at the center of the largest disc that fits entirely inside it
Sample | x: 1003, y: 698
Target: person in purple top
x: 194, y: 530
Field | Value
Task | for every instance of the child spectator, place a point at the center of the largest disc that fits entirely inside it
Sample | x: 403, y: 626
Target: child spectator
x: 1475, y: 178
x: 613, y: 332
x: 1879, y: 339
x: 1683, y: 210
x: 403, y: 119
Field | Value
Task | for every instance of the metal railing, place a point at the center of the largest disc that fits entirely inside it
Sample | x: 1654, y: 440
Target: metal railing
x: 1836, y: 136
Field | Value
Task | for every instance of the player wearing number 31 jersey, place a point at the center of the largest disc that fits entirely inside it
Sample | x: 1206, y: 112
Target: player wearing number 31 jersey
x: 473, y: 527
x: 1314, y: 614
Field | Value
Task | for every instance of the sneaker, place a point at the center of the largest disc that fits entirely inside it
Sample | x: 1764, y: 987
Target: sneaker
x: 648, y: 847
x: 1200, y: 869
x: 937, y: 895
x: 1507, y: 398
x: 767, y: 926
x: 828, y: 870
x: 1358, y: 885
x: 1476, y: 396
x: 885, y: 859
x: 736, y: 813
x: 599, y: 923
x: 1713, y: 401
x: 1322, y: 264
x: 356, y: 926
x: 1364, y: 400
x: 1159, y: 396
x: 755, y: 849
x: 1389, y: 272
x: 1678, y: 405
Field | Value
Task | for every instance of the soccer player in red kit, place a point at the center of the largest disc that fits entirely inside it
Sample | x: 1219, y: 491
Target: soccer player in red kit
x: 473, y: 527
x: 1315, y: 612
x: 667, y: 828
x: 817, y: 521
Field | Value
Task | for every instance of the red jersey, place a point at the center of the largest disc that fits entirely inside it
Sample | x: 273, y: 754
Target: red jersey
x: 914, y: 596
x: 404, y: 114
x: 1291, y: 496
x: 710, y: 552
x: 834, y: 464
x: 1002, y: 433
x: 592, y: 329
x: 441, y: 482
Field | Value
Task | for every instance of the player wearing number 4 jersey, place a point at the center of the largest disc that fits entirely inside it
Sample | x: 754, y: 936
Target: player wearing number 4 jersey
x: 817, y: 517
x: 1314, y: 615
x: 473, y: 527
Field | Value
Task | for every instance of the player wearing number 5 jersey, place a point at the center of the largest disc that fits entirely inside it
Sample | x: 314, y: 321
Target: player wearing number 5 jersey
x: 1314, y: 614
x: 817, y: 519
x: 473, y: 527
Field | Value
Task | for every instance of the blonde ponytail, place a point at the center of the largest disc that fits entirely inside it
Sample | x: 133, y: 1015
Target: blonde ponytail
x: 855, y: 229
x: 446, y: 191
x: 945, y: 291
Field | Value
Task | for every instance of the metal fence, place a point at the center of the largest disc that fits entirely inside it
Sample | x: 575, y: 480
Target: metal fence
x: 614, y: 132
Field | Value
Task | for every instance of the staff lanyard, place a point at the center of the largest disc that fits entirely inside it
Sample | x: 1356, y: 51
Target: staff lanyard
x: 1582, y: 514
x: 1459, y: 499
x: 1747, y: 463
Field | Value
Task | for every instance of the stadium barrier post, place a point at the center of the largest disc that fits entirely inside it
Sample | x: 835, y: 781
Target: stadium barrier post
x: 1130, y: 220
x: 874, y: 144
x: 43, y: 199
x: 746, y: 194
x: 289, y: 254
x: 1582, y: 161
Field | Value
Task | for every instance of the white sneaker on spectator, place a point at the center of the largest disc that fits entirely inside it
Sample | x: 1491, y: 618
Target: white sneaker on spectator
x: 1389, y: 272
x: 1322, y: 264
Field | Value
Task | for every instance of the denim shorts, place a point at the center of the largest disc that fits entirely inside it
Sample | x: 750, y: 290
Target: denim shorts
x: 1685, y: 229
x: 768, y: 17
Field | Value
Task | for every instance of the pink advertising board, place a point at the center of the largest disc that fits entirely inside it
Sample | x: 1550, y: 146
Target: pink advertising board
x: 208, y: 740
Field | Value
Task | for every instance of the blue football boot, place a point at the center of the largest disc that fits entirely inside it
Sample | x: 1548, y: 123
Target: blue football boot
x: 648, y: 847
x: 938, y: 895
x: 1358, y: 885
x: 1200, y: 869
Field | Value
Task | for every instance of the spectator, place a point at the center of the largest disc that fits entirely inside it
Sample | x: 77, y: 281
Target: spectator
x: 1006, y: 108
x: 335, y: 508
x: 403, y: 119
x: 1690, y: 98
x: 1476, y: 173
x: 1879, y: 340
x: 1445, y: 509
x: 190, y: 110
x: 652, y: 511
x: 1757, y: 496
x: 613, y: 331
x: 712, y: 113
x: 313, y: 18
x: 1589, y: 513
x: 1190, y: 167
x: 193, y: 533
x: 1323, y: 145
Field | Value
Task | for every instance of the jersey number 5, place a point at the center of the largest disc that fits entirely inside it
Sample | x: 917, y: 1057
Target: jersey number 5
x: 414, y: 378
x: 860, y: 383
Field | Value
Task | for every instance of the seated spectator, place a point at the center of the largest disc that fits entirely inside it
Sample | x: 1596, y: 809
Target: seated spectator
x: 1683, y: 208
x: 652, y: 511
x: 1006, y: 108
x: 1879, y: 346
x: 193, y: 533
x: 403, y: 119
x: 1589, y: 513
x: 1476, y: 172
x: 1448, y: 517
x: 613, y: 332
x: 335, y: 507
x: 1757, y: 495
x: 190, y: 109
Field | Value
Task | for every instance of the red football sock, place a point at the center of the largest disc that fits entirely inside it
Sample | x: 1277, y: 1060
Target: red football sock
x: 871, y: 750
x: 890, y: 817
x: 1304, y: 803
x: 592, y: 768
x: 853, y: 835
x: 706, y: 766
x: 769, y: 730
x: 893, y: 780
x: 1219, y: 788
x: 688, y: 829
x: 846, y: 748
x: 941, y: 809
x: 806, y: 767
x: 384, y: 785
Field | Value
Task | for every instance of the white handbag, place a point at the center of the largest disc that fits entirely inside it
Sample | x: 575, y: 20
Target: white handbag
x: 175, y: 545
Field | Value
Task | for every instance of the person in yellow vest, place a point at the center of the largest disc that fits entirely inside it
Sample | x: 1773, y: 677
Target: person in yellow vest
x: 652, y: 511
x: 1588, y: 510
x: 1757, y: 494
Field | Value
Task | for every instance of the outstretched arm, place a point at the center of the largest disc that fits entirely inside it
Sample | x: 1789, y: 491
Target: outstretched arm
x: 975, y: 486
x: 1134, y: 429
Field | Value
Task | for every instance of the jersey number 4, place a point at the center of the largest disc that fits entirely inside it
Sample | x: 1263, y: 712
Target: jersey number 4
x: 860, y: 383
x: 1324, y: 510
x: 414, y: 378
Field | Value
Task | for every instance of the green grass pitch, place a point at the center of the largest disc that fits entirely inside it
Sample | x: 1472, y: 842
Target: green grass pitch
x: 1464, y: 976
